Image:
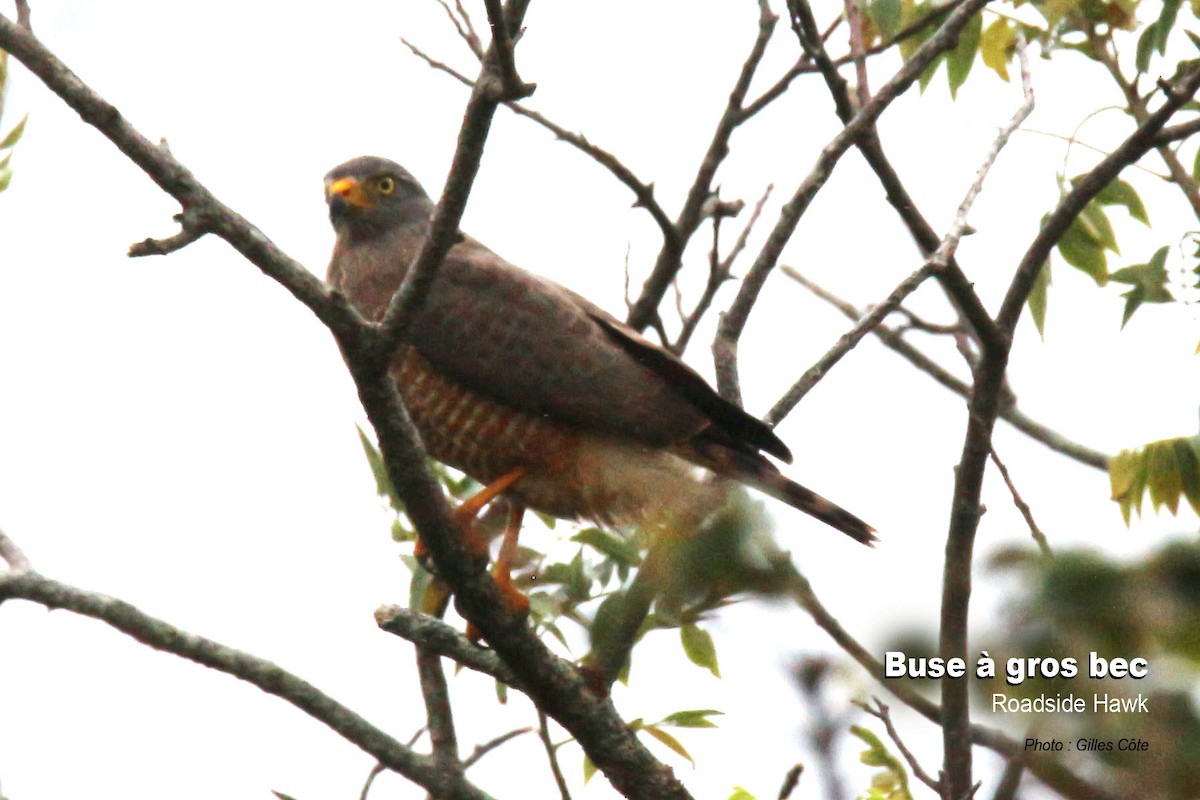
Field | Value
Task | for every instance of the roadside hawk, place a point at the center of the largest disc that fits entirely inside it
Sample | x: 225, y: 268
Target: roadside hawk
x: 537, y: 393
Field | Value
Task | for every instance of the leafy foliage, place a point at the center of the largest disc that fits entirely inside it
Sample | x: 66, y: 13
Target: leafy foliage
x: 891, y: 782
x: 1169, y: 469
x: 9, y: 140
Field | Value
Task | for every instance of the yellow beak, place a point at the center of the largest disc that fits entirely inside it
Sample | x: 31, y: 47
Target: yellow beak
x: 350, y: 190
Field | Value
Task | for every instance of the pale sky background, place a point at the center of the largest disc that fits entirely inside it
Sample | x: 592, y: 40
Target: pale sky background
x: 180, y: 433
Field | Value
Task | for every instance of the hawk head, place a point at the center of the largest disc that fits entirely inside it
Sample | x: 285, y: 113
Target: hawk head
x: 370, y: 195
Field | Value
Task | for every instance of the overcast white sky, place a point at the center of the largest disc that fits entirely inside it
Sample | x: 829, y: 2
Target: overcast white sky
x: 179, y: 432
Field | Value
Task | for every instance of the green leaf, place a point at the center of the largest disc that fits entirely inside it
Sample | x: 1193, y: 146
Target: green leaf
x: 960, y: 60
x: 892, y: 781
x: 1038, y: 296
x: 670, y: 741
x: 1145, y: 48
x: 14, y: 135
x: 1081, y: 250
x: 741, y: 794
x: 699, y: 647
x: 1163, y: 25
x: 5, y: 178
x: 383, y: 482
x: 1162, y: 476
x: 589, y: 770
x: 698, y: 718
x: 502, y: 693
x: 886, y: 15
x: 1187, y: 454
x: 930, y: 71
x: 1149, y: 282
x: 609, y: 545
x: 996, y: 46
x: 1099, y: 227
x: 1120, y: 193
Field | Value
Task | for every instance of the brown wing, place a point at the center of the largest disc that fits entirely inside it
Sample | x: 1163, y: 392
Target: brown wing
x: 527, y: 342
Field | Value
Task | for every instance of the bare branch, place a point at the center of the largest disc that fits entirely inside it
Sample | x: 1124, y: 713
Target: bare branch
x: 261, y: 673
x: 12, y: 554
x: 23, y: 15
x: 375, y: 772
x: 960, y: 290
x: 734, y: 320
x: 883, y: 714
x: 552, y: 756
x: 502, y: 51
x: 643, y: 192
x: 483, y: 749
x: 1010, y: 779
x: 847, y: 342
x: 1022, y: 506
x: 438, y: 637
x: 691, y: 215
x: 462, y: 24
x: 719, y: 273
x: 438, y: 715
x: 1010, y: 413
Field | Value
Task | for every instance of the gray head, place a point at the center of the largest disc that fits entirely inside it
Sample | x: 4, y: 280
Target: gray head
x: 369, y: 195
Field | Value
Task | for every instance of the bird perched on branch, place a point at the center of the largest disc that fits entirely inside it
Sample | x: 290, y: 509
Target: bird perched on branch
x: 540, y: 395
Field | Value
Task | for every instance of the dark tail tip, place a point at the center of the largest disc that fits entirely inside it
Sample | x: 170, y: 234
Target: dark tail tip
x: 827, y: 511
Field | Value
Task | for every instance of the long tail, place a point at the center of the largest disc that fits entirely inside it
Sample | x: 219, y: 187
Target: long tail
x: 756, y: 471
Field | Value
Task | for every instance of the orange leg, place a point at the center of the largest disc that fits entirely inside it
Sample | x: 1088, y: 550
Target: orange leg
x: 470, y: 508
x: 466, y: 513
x: 502, y: 569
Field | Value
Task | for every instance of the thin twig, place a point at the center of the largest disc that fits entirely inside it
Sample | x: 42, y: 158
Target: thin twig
x: 502, y: 52
x: 734, y: 320
x: 13, y: 555
x: 1010, y: 413
x: 23, y: 15
x: 560, y: 780
x: 719, y: 273
x: 438, y: 714
x: 462, y: 24
x: 482, y: 750
x: 1022, y: 506
x: 881, y: 711
x: 847, y: 342
x: 790, y: 781
x: 375, y: 772
x: 438, y: 637
x: 691, y: 215
x: 643, y: 191
x: 956, y: 285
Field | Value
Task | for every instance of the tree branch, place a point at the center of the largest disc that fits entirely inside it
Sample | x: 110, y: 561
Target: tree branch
x: 982, y: 411
x: 12, y: 554
x: 644, y: 192
x: 645, y: 308
x: 265, y: 675
x: 1010, y: 413
x: 1050, y: 771
x: 438, y: 637
x: 733, y: 321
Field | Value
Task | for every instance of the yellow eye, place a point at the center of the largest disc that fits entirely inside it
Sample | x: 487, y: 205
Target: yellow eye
x: 387, y: 185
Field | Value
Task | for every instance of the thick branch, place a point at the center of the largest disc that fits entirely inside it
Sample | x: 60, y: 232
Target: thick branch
x: 263, y: 674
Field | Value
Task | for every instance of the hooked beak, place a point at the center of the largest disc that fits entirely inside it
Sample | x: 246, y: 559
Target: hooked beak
x: 345, y: 192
